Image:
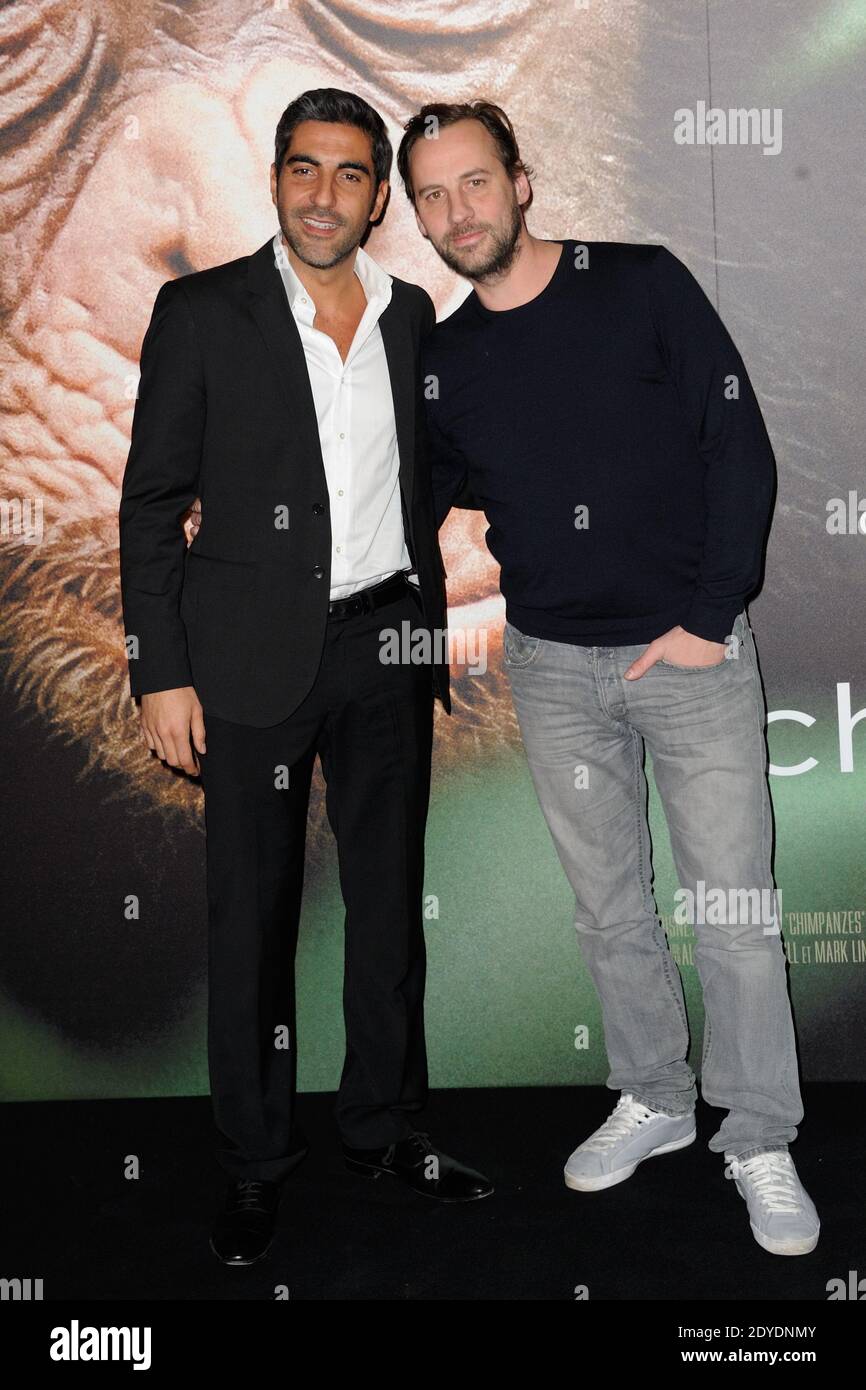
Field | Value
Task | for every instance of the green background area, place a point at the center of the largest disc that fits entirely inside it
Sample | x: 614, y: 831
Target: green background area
x: 506, y: 983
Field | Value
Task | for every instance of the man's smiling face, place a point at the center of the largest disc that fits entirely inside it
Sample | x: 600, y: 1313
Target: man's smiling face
x: 326, y: 192
x: 465, y: 201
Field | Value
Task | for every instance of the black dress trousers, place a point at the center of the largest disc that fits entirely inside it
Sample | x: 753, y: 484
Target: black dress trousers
x: 371, y: 723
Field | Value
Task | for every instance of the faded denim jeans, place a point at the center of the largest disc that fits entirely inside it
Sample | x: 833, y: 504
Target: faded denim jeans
x: 584, y: 729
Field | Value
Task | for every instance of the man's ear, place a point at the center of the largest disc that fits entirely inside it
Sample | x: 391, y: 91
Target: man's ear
x: 274, y: 184
x: 380, y: 202
x: 521, y: 189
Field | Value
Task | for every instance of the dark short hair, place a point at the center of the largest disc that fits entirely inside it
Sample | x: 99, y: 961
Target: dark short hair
x: 492, y: 117
x: 339, y: 108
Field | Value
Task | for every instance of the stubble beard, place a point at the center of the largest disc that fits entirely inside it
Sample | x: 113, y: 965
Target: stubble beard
x: 498, y: 260
x: 328, y: 256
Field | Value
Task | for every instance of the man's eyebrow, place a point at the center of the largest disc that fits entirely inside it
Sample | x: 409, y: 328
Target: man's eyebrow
x: 470, y: 173
x: 343, y: 164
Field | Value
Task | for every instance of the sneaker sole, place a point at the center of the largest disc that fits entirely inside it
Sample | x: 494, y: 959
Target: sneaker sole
x: 789, y: 1247
x: 582, y: 1184
x: 804, y: 1246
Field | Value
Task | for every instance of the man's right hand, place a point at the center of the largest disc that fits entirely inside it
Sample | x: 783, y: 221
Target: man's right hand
x: 170, y: 721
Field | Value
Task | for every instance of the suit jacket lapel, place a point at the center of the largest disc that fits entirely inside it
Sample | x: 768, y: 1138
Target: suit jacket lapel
x: 400, y: 355
x: 270, y: 309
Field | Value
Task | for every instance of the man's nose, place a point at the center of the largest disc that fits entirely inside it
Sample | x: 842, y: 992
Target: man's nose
x: 459, y: 209
x: 325, y: 193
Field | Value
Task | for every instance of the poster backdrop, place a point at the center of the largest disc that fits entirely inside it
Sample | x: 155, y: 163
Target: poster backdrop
x: 136, y: 145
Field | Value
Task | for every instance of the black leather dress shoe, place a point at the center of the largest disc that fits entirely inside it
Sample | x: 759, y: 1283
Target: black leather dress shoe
x: 422, y: 1167
x: 244, y: 1228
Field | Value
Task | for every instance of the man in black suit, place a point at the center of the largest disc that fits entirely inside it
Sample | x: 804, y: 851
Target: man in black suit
x: 284, y: 389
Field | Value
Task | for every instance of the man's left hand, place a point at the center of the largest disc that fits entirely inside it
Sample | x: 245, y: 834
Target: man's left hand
x: 680, y: 648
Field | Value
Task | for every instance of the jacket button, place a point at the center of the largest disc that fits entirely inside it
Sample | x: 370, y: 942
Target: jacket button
x: 318, y: 508
x: 318, y: 572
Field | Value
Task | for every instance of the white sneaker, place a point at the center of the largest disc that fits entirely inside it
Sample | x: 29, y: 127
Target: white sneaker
x: 631, y: 1133
x: 781, y: 1212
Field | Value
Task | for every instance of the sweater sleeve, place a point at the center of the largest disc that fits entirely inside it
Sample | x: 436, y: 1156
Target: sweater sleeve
x: 723, y: 415
x: 449, y: 472
x: 448, y: 467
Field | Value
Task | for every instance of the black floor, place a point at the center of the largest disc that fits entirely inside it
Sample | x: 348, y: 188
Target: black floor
x: 677, y: 1230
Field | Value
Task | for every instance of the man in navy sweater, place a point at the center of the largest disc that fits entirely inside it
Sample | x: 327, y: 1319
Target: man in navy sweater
x: 589, y: 399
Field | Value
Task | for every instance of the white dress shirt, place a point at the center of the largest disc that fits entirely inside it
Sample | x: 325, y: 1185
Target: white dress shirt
x: 357, y: 430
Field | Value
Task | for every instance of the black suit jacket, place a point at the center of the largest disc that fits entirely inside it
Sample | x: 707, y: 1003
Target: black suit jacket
x: 225, y: 411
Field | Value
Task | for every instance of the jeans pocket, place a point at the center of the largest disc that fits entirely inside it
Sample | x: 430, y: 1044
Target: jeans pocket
x: 693, y: 670
x: 733, y: 642
x: 518, y: 649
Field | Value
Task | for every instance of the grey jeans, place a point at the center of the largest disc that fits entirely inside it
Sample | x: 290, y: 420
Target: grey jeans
x: 584, y: 728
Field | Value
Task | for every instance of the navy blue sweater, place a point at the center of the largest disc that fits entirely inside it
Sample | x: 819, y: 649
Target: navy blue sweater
x: 611, y: 436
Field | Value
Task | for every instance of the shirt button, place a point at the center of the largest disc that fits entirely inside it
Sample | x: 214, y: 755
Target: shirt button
x: 318, y: 572
x: 339, y: 492
x: 318, y: 508
x: 342, y: 436
x: 339, y: 549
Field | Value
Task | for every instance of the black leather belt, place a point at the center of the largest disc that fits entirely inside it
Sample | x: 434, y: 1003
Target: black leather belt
x: 368, y: 600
